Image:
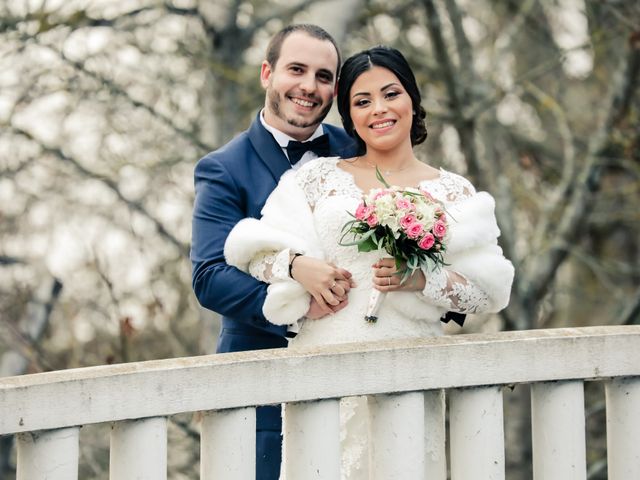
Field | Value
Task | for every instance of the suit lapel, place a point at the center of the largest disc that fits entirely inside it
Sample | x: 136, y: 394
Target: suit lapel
x: 268, y: 150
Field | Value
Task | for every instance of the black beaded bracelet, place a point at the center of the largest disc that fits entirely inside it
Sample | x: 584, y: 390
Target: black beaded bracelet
x: 295, y: 255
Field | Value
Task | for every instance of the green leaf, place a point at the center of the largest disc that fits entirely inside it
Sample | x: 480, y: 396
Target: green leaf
x: 368, y: 245
x: 381, y: 178
x: 357, y: 241
x: 349, y: 225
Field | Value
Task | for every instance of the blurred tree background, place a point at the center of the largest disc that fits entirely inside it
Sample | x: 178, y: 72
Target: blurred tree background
x: 105, y: 106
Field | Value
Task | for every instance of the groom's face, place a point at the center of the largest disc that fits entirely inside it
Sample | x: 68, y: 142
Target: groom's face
x: 301, y: 85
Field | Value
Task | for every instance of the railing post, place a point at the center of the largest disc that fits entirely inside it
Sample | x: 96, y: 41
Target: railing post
x: 558, y: 431
x: 139, y: 449
x: 623, y: 428
x: 399, y: 436
x: 435, y: 433
x: 228, y: 445
x: 48, y: 455
x: 477, y: 434
x: 312, y: 440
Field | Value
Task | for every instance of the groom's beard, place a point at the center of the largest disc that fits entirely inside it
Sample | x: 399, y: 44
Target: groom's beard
x: 275, y: 101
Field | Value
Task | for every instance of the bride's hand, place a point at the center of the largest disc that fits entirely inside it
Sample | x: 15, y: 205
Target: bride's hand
x: 387, y: 279
x: 327, y: 284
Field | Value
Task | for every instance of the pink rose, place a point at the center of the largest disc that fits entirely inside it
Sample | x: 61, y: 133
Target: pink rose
x: 428, y: 196
x: 415, y: 230
x: 360, y: 211
x: 440, y: 229
x: 403, y: 204
x: 369, y: 211
x: 363, y: 212
x: 381, y: 193
x: 427, y: 242
x: 372, y: 221
x: 407, y: 221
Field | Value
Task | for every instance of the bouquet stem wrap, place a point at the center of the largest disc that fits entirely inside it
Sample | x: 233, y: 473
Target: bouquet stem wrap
x: 375, y: 302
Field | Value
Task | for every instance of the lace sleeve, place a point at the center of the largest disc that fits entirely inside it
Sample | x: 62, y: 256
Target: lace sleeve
x: 270, y: 266
x: 454, y: 292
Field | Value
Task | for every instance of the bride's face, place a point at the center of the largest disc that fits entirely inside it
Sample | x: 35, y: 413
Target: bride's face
x: 381, y: 109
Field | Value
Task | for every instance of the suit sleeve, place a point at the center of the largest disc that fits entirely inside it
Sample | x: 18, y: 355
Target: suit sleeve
x: 217, y: 285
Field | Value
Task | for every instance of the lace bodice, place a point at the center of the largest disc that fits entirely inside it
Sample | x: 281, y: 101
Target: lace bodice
x: 332, y: 193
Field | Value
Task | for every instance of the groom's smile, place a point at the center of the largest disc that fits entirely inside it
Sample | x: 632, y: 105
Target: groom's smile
x: 302, y: 102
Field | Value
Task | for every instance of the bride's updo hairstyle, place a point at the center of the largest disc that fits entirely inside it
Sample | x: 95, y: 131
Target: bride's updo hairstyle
x: 394, y: 61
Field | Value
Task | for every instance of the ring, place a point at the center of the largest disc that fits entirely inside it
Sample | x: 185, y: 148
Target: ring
x: 333, y: 284
x: 389, y: 280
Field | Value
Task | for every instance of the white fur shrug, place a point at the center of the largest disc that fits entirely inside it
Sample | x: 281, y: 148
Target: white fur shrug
x: 287, y: 222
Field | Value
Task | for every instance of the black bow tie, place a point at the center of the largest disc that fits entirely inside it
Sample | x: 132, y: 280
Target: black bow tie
x: 319, y: 146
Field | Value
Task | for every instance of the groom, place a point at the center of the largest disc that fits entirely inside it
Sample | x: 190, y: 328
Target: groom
x: 299, y: 76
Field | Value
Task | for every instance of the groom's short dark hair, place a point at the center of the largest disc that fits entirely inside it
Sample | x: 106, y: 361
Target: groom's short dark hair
x: 275, y: 44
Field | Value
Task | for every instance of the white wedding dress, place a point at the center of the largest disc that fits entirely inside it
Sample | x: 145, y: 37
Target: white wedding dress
x: 331, y: 193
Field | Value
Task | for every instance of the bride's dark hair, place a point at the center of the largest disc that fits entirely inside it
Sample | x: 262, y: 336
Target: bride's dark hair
x: 394, y: 61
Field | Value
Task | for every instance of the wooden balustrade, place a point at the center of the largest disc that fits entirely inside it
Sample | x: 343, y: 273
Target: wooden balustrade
x: 407, y: 379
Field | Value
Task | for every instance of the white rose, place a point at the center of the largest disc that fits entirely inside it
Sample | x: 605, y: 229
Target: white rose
x: 426, y: 214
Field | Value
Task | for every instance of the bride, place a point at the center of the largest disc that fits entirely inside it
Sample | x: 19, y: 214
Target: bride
x: 295, y: 245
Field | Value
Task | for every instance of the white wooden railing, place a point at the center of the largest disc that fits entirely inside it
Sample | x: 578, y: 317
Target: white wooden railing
x: 409, y: 379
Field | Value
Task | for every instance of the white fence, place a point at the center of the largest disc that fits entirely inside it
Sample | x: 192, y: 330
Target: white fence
x: 408, y: 378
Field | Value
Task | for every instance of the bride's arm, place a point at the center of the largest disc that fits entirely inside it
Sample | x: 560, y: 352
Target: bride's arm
x: 327, y: 283
x: 442, y: 287
x: 455, y: 292
x: 270, y: 266
x: 477, y: 277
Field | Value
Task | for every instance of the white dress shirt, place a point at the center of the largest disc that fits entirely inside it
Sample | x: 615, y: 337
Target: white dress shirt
x: 283, y: 140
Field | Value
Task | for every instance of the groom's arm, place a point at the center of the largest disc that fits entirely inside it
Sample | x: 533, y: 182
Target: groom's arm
x: 218, y: 286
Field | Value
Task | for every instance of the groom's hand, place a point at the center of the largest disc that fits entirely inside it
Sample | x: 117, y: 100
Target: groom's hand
x: 316, y: 311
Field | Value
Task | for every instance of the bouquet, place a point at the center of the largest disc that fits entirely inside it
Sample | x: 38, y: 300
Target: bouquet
x: 407, y: 223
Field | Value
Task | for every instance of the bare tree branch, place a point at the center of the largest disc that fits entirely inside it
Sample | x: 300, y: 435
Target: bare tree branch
x: 133, y: 205
x: 8, y: 260
x: 464, y: 125
x: 446, y: 65
x: 186, y: 428
x: 30, y: 329
x: 631, y: 314
x: 580, y: 204
x: 47, y: 21
x: 117, y: 91
x: 553, y: 201
x: 458, y: 87
x: 463, y: 46
x: 511, y: 29
x: 633, y: 74
x: 283, y: 13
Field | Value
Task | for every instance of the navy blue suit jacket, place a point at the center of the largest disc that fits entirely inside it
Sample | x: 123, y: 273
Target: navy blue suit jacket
x: 233, y: 183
